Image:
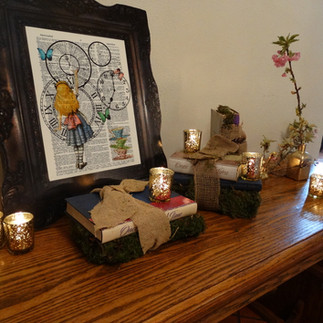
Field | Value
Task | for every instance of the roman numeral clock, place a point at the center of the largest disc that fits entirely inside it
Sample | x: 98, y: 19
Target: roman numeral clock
x: 87, y: 93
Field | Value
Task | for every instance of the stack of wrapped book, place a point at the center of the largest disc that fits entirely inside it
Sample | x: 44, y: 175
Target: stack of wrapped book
x: 121, y: 243
x: 238, y: 198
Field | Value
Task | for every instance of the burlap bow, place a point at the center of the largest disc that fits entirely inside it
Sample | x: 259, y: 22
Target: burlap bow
x: 117, y: 205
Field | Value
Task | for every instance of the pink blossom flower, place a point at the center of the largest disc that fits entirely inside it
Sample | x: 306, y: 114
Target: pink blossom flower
x: 295, y: 57
x: 284, y: 75
x: 280, y: 60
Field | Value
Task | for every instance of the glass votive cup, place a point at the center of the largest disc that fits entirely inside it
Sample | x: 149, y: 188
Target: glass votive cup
x: 192, y: 140
x: 160, y: 184
x: 316, y: 186
x: 19, y: 230
x: 251, y: 166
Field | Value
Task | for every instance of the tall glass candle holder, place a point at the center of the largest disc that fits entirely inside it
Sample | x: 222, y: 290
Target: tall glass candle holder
x: 251, y: 166
x: 19, y: 229
x: 192, y: 140
x: 160, y: 184
x: 316, y: 186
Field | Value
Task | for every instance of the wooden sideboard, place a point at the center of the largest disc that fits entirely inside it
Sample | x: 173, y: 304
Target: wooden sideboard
x: 203, y: 279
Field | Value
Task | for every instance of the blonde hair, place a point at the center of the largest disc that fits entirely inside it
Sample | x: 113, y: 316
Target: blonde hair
x: 65, y: 100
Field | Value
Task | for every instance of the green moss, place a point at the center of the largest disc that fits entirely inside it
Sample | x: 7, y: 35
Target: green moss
x: 128, y: 248
x: 229, y: 114
x: 232, y: 202
x: 239, y: 204
x: 186, y: 190
x: 235, y: 203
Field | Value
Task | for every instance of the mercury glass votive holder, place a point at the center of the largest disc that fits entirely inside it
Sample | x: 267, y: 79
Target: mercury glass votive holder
x: 251, y: 166
x: 160, y: 184
x: 192, y: 140
x: 19, y: 229
x: 316, y: 186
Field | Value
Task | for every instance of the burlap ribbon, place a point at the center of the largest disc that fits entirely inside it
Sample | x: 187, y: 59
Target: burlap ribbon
x: 218, y: 146
x: 117, y: 205
x: 237, y: 135
x: 206, y: 179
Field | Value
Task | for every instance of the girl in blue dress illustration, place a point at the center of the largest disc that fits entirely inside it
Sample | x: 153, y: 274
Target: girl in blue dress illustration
x: 78, y: 130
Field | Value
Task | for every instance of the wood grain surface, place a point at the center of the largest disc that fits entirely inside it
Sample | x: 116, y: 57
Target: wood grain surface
x: 202, y: 279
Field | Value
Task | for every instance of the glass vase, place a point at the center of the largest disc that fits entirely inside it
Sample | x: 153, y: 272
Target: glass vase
x: 299, y: 164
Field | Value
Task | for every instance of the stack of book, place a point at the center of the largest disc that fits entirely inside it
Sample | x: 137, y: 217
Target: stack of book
x: 238, y: 198
x: 79, y: 208
x: 228, y: 170
x: 121, y: 243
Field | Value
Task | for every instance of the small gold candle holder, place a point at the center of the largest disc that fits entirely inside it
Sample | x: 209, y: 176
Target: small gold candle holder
x: 160, y: 184
x: 19, y: 229
x: 251, y: 166
x: 315, y: 189
x: 192, y: 140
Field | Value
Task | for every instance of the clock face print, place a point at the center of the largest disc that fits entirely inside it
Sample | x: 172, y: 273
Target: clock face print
x: 66, y: 59
x: 113, y: 90
x: 90, y: 105
x: 99, y: 53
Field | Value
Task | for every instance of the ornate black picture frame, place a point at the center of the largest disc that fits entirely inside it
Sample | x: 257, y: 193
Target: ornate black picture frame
x: 28, y: 184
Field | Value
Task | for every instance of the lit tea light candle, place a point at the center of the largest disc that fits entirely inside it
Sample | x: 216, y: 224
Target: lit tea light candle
x: 251, y: 166
x: 160, y: 184
x: 316, y: 186
x: 192, y: 140
x: 19, y: 229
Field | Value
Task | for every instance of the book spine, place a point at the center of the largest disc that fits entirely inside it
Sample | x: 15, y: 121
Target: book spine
x: 87, y: 224
x: 228, y: 172
x: 181, y: 165
x: 181, y: 211
x: 185, y: 166
x: 126, y: 228
x: 119, y: 231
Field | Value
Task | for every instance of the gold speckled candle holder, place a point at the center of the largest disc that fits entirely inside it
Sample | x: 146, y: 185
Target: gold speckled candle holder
x: 316, y: 186
x: 160, y: 184
x: 251, y: 166
x: 19, y: 229
x: 192, y: 140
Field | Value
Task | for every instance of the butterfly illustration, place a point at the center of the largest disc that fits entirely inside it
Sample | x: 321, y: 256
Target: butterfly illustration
x: 119, y: 73
x: 105, y: 116
x: 43, y: 55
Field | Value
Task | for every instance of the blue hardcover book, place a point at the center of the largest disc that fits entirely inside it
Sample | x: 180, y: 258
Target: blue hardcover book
x: 79, y: 208
x: 240, y: 184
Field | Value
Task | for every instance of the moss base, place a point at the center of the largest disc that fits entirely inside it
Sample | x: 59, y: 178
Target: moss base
x: 232, y: 202
x: 128, y: 248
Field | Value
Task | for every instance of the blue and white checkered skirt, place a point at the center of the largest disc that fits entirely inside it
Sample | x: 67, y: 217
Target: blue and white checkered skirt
x: 81, y: 134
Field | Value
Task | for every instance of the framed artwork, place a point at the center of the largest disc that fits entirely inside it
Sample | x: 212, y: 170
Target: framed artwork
x: 79, y: 106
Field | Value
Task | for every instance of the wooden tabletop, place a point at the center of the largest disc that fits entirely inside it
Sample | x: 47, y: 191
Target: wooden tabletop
x: 203, y: 279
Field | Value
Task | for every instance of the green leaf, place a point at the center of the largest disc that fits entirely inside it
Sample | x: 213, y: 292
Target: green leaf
x: 292, y: 38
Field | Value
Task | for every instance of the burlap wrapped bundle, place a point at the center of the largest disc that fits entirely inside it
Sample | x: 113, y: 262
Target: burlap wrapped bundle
x: 236, y: 134
x: 117, y: 205
x: 217, y: 147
